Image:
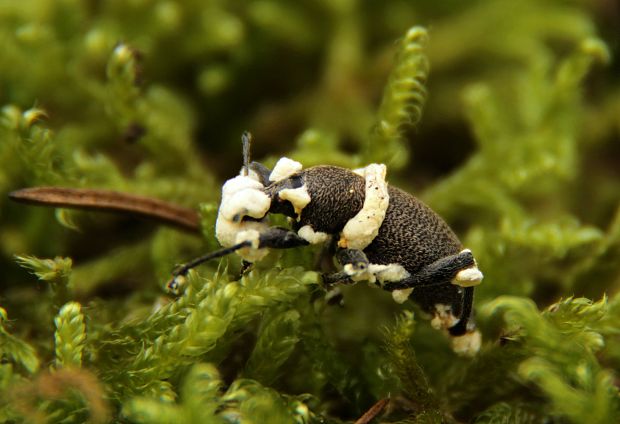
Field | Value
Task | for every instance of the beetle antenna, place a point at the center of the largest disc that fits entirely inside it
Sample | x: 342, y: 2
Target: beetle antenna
x: 183, y: 269
x: 179, y: 273
x: 246, y: 141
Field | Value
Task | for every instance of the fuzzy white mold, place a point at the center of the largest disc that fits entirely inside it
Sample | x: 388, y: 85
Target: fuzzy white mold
x: 313, y: 237
x: 468, y: 277
x: 443, y: 317
x: 389, y: 272
x: 376, y: 272
x: 252, y: 253
x: 401, y: 296
x: 242, y: 196
x: 361, y: 230
x: 468, y: 344
x: 284, y: 168
x: 299, y: 198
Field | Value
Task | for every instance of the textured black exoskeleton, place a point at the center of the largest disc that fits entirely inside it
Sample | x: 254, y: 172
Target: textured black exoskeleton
x: 413, y: 248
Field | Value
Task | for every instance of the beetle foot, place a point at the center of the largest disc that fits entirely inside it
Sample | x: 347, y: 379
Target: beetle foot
x: 468, y: 344
x: 176, y: 284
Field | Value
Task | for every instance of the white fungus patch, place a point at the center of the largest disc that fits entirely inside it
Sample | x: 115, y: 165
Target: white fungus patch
x: 313, y: 237
x: 376, y: 272
x: 242, y: 196
x: 252, y: 253
x: 284, y: 168
x: 400, y: 296
x: 468, y: 277
x: 299, y: 198
x: 390, y: 272
x: 382, y: 274
x: 468, y: 344
x: 361, y: 230
x: 358, y: 274
x: 443, y: 317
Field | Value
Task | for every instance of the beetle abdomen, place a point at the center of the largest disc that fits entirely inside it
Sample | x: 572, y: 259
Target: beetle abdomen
x: 411, y: 235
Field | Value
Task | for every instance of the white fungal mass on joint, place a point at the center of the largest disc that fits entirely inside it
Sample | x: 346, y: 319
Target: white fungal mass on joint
x: 299, y: 198
x: 284, y: 168
x: 252, y: 253
x: 361, y: 230
x: 468, y: 344
x: 386, y: 273
x: 313, y: 237
x: 468, y: 277
x: 401, y: 296
x: 242, y: 196
x: 443, y: 317
x: 382, y: 274
x: 377, y: 273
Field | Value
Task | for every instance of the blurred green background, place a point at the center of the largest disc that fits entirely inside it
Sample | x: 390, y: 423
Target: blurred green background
x: 517, y: 146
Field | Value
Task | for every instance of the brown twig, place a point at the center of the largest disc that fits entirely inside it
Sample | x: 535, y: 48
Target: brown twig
x: 111, y: 201
x: 373, y: 412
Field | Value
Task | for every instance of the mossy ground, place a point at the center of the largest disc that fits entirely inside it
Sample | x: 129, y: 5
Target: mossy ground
x: 503, y: 116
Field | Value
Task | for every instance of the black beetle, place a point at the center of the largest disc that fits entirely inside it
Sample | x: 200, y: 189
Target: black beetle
x: 379, y: 233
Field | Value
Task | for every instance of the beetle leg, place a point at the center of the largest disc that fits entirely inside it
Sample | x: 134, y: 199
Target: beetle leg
x: 334, y: 278
x: 354, y: 263
x: 460, y: 328
x: 280, y: 238
x: 274, y: 237
x: 439, y: 272
x: 180, y: 271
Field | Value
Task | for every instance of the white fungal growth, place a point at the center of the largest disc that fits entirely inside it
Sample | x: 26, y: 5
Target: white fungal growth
x: 468, y: 277
x: 376, y: 272
x: 443, y: 318
x: 242, y: 196
x: 382, y: 274
x: 390, y: 272
x: 361, y: 230
x: 358, y: 274
x: 284, y: 168
x: 313, y: 237
x: 252, y: 253
x: 468, y: 344
x: 299, y: 198
x: 400, y: 296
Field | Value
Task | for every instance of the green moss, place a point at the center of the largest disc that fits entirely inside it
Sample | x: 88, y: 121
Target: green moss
x: 501, y: 115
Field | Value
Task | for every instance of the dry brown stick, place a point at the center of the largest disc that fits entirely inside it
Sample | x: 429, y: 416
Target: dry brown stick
x: 373, y: 412
x: 111, y: 201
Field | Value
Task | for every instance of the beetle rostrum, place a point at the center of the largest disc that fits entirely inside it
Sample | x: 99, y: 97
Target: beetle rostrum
x: 380, y: 234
